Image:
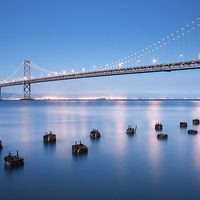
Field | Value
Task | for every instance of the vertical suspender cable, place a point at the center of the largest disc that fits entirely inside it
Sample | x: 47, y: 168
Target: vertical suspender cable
x: 188, y: 46
x: 183, y: 46
x: 178, y: 48
x: 193, y: 44
x: 173, y: 50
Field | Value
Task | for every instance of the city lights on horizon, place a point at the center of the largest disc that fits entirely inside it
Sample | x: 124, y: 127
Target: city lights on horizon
x: 81, y: 98
x: 56, y: 98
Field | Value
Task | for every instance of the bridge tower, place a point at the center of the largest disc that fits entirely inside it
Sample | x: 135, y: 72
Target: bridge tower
x: 26, y: 81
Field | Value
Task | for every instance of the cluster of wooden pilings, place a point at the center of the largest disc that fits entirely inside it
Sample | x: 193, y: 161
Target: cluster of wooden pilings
x: 191, y: 131
x: 159, y: 126
x: 81, y: 148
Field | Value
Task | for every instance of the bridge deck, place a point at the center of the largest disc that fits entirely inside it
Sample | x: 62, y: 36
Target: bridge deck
x: 111, y: 72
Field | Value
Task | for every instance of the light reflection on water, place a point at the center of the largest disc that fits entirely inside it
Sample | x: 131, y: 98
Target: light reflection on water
x: 117, y: 165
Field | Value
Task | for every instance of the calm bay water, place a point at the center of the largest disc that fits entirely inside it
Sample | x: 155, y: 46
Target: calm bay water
x: 117, y: 166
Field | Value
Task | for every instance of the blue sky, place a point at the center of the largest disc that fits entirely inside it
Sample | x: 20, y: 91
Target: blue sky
x: 64, y: 35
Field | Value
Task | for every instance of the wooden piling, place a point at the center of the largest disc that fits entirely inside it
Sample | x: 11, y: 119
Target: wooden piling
x: 158, y: 126
x: 195, y: 121
x: 13, y: 160
x: 49, y: 137
x: 95, y: 133
x: 79, y: 148
x: 183, y: 124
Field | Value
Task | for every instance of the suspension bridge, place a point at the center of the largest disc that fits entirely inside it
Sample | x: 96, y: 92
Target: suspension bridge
x: 179, y: 51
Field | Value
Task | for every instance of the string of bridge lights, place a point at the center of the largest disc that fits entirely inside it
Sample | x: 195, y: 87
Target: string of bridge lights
x: 137, y: 55
x: 121, y: 62
x: 151, y: 49
x: 174, y: 39
x: 128, y: 58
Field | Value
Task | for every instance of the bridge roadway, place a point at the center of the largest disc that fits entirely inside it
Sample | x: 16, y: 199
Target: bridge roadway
x: 186, y: 65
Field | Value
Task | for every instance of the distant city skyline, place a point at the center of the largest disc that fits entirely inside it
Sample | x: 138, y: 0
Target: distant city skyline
x: 65, y: 36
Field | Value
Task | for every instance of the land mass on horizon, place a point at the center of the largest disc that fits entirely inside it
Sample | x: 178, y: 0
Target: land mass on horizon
x: 17, y: 96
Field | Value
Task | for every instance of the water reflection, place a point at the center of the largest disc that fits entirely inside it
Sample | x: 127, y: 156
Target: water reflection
x: 95, y: 140
x: 120, y: 117
x: 154, y: 114
x: 131, y: 135
x: 162, y: 139
x: 49, y: 147
x: 1, y: 149
x: 119, y: 128
x: 158, y: 131
x: 9, y: 171
x: 128, y: 163
x: 83, y: 126
x: 79, y: 157
x: 73, y: 125
x: 195, y: 114
x: 196, y: 155
x: 192, y: 135
x: 25, y: 118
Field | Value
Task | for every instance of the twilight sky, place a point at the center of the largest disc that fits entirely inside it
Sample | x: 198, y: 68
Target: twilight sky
x: 61, y: 35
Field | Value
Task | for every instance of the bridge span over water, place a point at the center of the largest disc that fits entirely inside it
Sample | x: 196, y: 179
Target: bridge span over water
x: 179, y: 51
x: 167, y: 67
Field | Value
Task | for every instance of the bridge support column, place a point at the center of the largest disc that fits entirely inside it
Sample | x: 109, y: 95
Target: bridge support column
x: 26, y: 81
